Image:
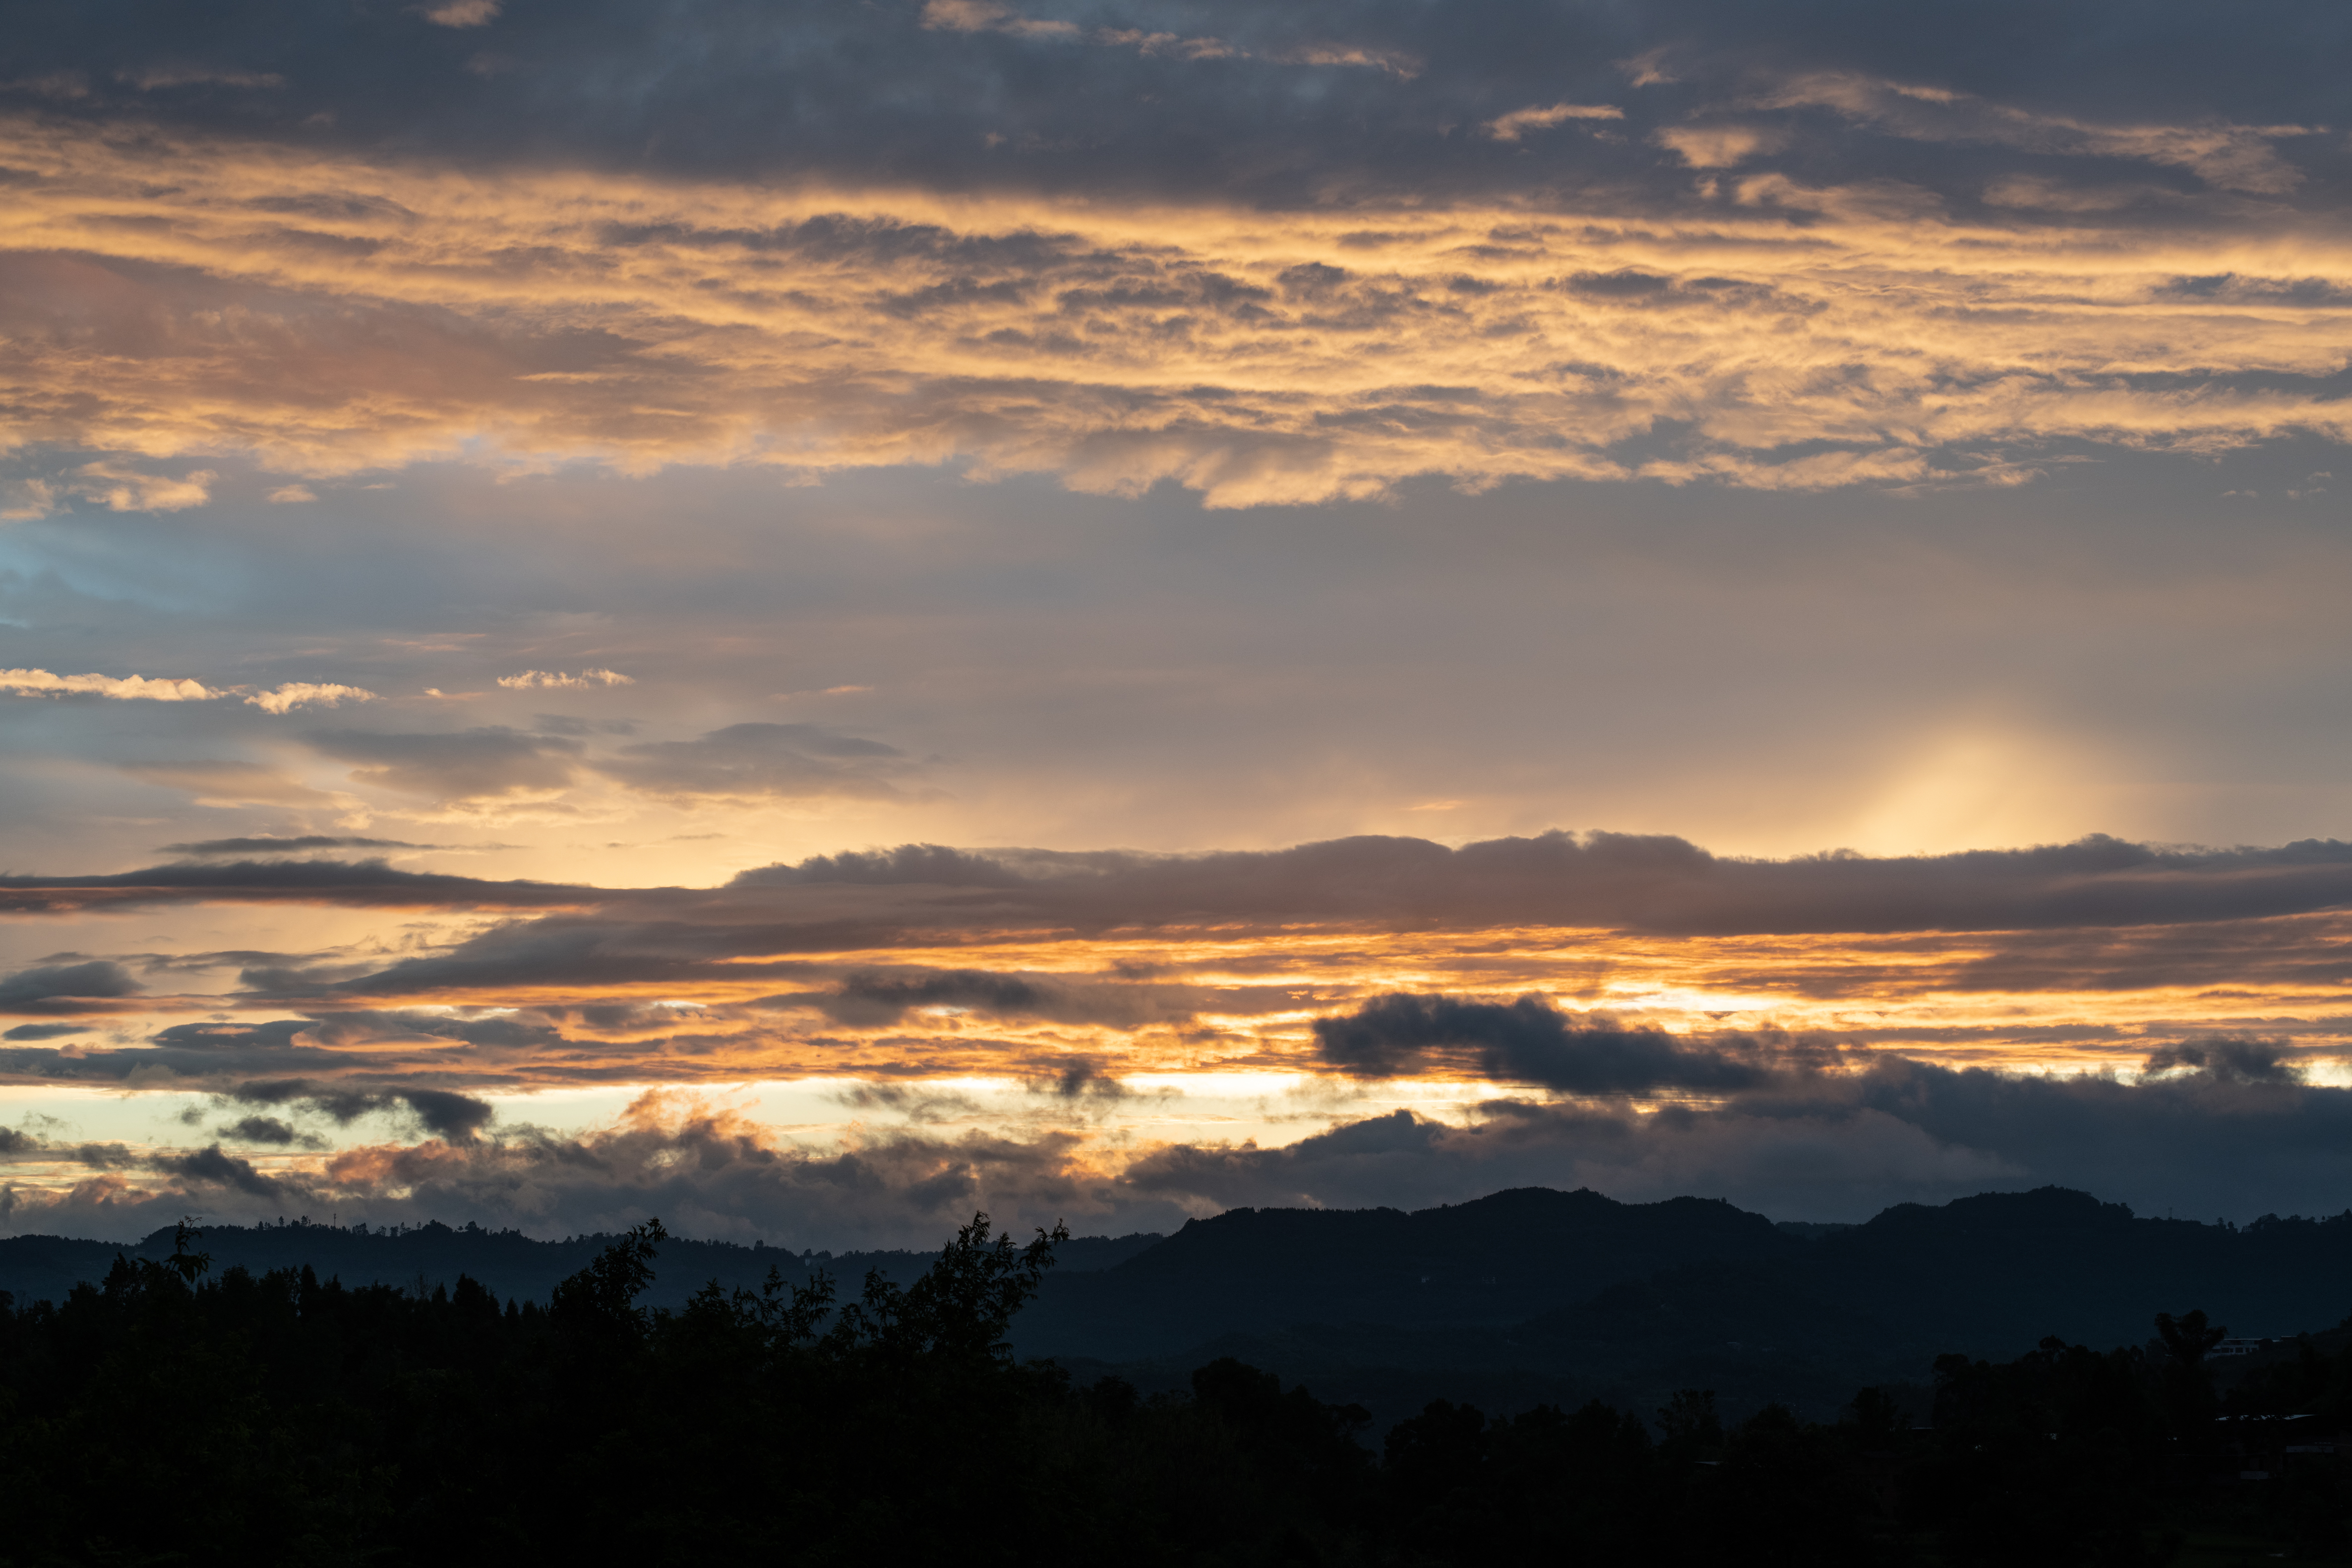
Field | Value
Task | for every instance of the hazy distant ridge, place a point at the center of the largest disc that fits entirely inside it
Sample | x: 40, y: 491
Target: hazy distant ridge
x: 507, y: 1262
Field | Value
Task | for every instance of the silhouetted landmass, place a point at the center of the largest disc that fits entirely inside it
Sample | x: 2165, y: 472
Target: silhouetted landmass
x: 506, y: 1263
x: 172, y: 1414
x: 1493, y: 1261
x: 1525, y: 1297
x: 1390, y: 1309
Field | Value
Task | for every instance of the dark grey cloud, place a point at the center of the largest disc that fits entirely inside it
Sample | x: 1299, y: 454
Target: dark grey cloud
x: 2233, y: 287
x: 1838, y: 1148
x: 870, y: 997
x: 514, y: 1030
x: 791, y: 761
x: 1081, y: 1077
x: 23, y: 1143
x: 1834, y: 1146
x: 933, y: 864
x: 197, y: 1054
x: 43, y: 1031
x: 565, y: 724
x: 2276, y: 951
x: 2103, y: 913
x: 2241, y: 1061
x: 704, y: 1171
x: 2216, y: 1140
x: 211, y: 1167
x: 877, y: 998
x: 1668, y: 885
x: 590, y: 952
x: 466, y: 764
x: 1231, y: 101
x: 340, y: 1066
x: 447, y: 1114
x: 86, y: 987
x: 368, y: 883
x: 295, y: 845
x: 215, y: 1036
x: 1525, y: 1041
x: 261, y: 1129
x: 443, y: 1113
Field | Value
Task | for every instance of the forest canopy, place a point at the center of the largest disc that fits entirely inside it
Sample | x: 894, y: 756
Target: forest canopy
x: 170, y: 1415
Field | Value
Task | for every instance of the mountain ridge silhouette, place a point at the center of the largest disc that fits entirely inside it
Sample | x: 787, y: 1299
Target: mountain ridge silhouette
x: 1522, y: 1295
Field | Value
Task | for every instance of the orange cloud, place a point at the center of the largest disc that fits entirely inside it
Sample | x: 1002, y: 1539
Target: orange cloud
x: 324, y: 316
x: 1520, y: 122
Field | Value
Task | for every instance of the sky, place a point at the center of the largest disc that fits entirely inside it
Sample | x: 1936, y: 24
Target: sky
x: 810, y: 619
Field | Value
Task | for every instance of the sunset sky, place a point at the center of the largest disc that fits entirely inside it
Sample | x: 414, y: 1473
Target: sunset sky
x: 811, y: 617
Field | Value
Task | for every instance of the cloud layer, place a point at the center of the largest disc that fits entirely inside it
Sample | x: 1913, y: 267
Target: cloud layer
x: 1841, y: 1149
x: 1764, y: 330
x: 698, y: 488
x: 1034, y: 1027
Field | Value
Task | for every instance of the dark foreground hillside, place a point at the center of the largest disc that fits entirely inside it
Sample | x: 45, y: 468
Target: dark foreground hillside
x: 1514, y: 1299
x: 177, y: 1415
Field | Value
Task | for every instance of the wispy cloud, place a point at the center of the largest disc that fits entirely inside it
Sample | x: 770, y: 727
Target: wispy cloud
x: 213, y: 781
x: 2228, y: 156
x: 537, y: 680
x: 308, y: 694
x: 243, y: 849
x: 463, y: 13
x: 150, y: 79
x: 282, y: 699
x: 125, y: 688
x: 464, y: 765
x: 123, y: 489
x: 1721, y: 146
x: 1520, y: 122
x: 992, y: 16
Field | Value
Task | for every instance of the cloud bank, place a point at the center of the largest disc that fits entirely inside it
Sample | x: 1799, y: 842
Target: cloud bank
x: 1814, y: 1036
x: 1903, y: 1132
x: 1762, y: 331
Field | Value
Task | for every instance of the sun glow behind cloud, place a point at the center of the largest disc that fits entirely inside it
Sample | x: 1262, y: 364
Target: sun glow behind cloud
x: 949, y: 1023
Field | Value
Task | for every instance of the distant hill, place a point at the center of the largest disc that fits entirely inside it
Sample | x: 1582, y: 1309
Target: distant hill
x: 1492, y: 1261
x: 508, y: 1263
x: 1522, y: 1296
x: 1655, y: 1296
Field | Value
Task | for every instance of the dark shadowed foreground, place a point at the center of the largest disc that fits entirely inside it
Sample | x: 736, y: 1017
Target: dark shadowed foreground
x: 167, y: 1416
x: 1520, y: 1298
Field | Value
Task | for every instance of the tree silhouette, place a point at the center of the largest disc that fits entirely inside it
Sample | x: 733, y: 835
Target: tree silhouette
x: 604, y: 1293
x: 962, y: 1306
x: 2188, y: 1337
x: 292, y: 1419
x: 189, y: 1266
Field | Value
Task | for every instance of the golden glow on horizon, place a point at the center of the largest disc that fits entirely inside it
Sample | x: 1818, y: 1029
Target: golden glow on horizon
x: 1210, y: 1049
x: 1244, y: 1003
